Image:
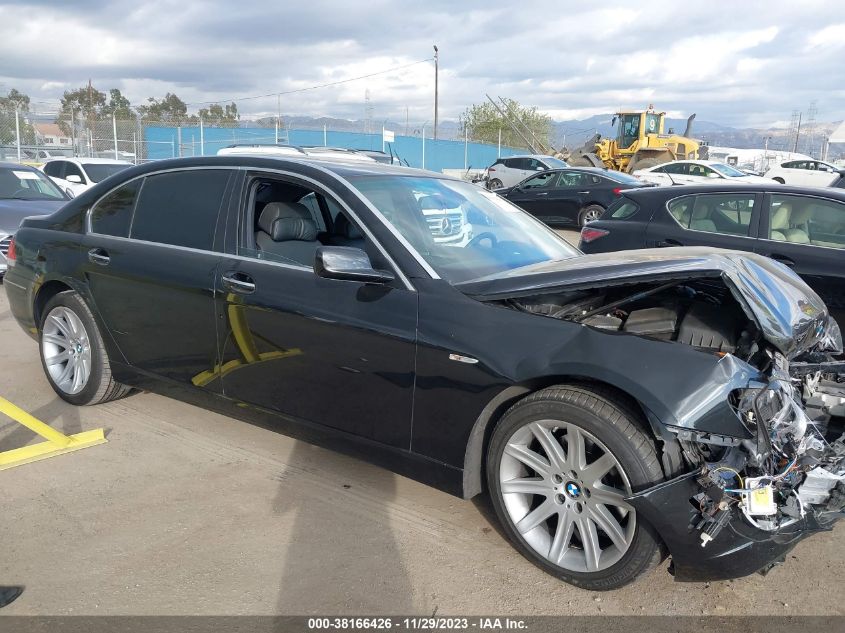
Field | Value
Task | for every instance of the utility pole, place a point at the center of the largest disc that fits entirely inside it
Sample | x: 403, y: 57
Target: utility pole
x: 797, y: 133
x: 436, y: 87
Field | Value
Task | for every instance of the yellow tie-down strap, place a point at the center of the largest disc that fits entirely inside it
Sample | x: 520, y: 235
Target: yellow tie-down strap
x: 57, y: 443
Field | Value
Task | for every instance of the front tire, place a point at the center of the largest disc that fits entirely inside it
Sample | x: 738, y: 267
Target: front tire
x: 73, y: 355
x: 559, y: 466
x: 780, y: 180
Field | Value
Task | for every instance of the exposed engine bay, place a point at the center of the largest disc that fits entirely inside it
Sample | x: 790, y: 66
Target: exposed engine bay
x: 791, y: 463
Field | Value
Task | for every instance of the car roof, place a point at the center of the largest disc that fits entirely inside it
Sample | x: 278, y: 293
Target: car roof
x: 526, y: 156
x: 84, y: 160
x: 751, y: 187
x: 332, y: 164
x: 8, y: 165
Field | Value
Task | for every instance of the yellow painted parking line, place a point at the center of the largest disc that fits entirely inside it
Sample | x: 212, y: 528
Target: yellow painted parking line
x: 57, y: 443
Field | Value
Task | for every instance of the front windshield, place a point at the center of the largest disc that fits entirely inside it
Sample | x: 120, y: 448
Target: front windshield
x: 481, y: 234
x: 727, y: 170
x: 97, y: 172
x: 27, y: 184
x: 554, y: 163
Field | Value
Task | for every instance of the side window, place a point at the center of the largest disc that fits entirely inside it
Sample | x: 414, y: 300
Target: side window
x: 676, y: 168
x: 804, y: 220
x: 180, y: 208
x: 572, y: 179
x: 543, y: 179
x: 511, y: 163
x: 73, y: 170
x: 625, y: 210
x: 681, y: 210
x: 113, y: 214
x: 53, y: 168
x: 313, y: 205
x: 729, y: 214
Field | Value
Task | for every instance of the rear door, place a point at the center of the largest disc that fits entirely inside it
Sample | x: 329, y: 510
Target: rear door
x: 330, y: 352
x: 152, y: 254
x: 533, y: 194
x: 807, y: 233
x: 725, y: 220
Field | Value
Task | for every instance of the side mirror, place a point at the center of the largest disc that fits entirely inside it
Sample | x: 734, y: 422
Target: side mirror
x: 74, y: 178
x: 713, y: 174
x: 69, y: 193
x: 347, y: 263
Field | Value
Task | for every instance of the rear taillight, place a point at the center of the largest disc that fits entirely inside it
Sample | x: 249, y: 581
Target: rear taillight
x: 590, y: 234
x: 617, y: 192
x: 11, y: 256
x: 491, y: 169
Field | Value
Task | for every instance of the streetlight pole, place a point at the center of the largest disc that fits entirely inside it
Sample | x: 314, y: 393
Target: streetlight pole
x: 436, y: 86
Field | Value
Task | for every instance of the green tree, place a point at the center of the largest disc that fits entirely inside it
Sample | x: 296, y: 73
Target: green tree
x: 118, y: 106
x: 483, y: 121
x: 170, y: 109
x: 12, y: 102
x: 86, y: 102
x: 218, y: 116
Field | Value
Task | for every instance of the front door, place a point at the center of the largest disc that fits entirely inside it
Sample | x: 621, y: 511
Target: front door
x: 331, y: 352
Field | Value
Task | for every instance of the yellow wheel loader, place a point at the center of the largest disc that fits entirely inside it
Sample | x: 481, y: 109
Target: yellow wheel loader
x: 640, y: 143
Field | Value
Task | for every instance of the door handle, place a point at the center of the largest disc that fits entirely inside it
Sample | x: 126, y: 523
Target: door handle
x: 583, y: 193
x: 786, y: 261
x: 238, y: 282
x: 668, y: 243
x: 99, y: 256
x: 542, y: 193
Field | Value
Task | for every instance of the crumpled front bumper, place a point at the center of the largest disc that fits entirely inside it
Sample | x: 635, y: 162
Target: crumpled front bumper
x: 740, y: 548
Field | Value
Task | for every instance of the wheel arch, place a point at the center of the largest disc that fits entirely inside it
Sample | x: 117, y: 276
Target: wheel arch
x: 485, y: 423
x: 45, y: 292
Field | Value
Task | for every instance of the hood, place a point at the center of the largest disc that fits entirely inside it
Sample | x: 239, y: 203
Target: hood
x: 13, y: 211
x: 789, y: 314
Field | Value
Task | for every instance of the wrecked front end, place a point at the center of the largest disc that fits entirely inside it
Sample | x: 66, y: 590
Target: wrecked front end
x: 753, y: 443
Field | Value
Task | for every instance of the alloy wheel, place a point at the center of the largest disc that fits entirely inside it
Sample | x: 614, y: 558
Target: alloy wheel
x: 66, y: 350
x: 565, y: 493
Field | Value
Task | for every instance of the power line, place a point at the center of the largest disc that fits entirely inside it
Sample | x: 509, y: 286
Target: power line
x: 326, y: 85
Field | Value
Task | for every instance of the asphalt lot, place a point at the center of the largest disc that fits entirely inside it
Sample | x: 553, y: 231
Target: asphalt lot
x: 188, y: 512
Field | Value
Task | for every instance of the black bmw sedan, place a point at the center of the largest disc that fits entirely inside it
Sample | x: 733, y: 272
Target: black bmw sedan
x: 571, y: 196
x: 614, y: 407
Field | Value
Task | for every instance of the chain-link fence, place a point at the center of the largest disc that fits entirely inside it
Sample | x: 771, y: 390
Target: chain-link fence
x: 34, y: 137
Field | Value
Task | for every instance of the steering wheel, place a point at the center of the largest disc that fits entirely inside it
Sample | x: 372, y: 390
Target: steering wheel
x: 487, y: 235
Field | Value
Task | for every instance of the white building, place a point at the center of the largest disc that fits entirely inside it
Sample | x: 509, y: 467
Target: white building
x: 51, y: 135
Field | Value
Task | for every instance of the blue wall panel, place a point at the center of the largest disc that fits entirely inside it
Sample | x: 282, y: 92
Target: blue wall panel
x: 165, y: 142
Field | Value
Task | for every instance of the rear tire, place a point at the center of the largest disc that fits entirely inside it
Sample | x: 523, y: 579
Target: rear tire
x: 73, y: 355
x: 571, y: 487
x: 494, y: 184
x: 589, y: 213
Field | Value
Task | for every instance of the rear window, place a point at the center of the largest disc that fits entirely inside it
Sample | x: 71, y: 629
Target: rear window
x: 624, y: 179
x: 623, y: 209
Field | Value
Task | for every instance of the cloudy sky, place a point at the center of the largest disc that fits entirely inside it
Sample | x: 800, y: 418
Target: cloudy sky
x: 736, y: 63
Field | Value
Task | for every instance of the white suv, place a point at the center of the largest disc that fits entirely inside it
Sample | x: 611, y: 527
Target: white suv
x: 510, y: 171
x: 75, y: 175
x: 810, y: 173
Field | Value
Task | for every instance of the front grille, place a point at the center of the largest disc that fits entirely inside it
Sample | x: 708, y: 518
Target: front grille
x: 445, y: 224
x: 4, y: 245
